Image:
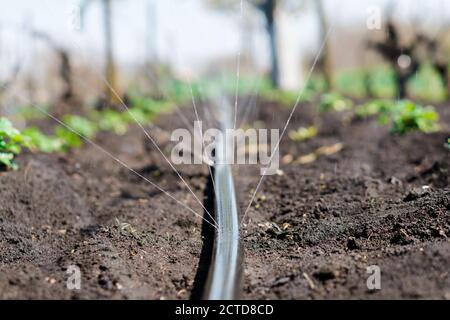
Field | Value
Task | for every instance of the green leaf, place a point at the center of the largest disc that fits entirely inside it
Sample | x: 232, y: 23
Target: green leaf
x: 43, y: 142
x: 81, y: 125
x: 69, y: 138
x: 109, y: 120
x: 409, y: 116
x: 7, y: 129
x: 6, y: 159
x: 303, y: 134
x: 335, y: 102
x: 11, y: 141
x: 383, y: 119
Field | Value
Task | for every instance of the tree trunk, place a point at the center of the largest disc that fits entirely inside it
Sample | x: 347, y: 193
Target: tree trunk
x: 274, y: 72
x: 446, y: 80
x: 286, y: 71
x: 65, y: 73
x: 442, y: 69
x: 402, y: 82
x: 268, y: 8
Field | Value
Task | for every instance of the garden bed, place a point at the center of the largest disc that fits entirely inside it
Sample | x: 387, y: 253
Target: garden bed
x: 382, y: 200
x: 129, y: 240
x: 313, y: 230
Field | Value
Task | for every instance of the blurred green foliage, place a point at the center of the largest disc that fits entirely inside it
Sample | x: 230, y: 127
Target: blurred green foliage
x: 377, y: 82
x: 380, y: 82
x: 375, y: 107
x: 428, y: 85
x: 110, y: 120
x: 43, y: 142
x: 70, y: 135
x: 404, y: 115
x: 83, y: 126
x: 334, y: 101
x: 32, y: 113
x: 226, y: 85
x: 303, y: 133
x: 11, y: 142
x: 409, y: 116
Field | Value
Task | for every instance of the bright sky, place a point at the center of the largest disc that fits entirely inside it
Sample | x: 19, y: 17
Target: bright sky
x: 188, y: 34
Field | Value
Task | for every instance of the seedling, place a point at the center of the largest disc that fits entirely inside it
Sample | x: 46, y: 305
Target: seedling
x: 110, y: 120
x: 66, y: 138
x: 138, y: 115
x: 11, y: 142
x: 81, y: 125
x: 303, y: 134
x: 375, y: 107
x: 404, y: 115
x: 78, y: 124
x: 63, y: 140
x: 70, y: 139
x: 335, y: 102
x: 125, y: 227
x: 43, y: 142
x: 408, y: 116
x: 148, y: 105
x: 142, y: 110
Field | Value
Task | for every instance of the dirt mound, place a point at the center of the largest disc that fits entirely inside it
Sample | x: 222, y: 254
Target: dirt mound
x: 382, y: 200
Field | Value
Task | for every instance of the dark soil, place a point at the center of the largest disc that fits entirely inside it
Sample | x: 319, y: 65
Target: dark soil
x: 129, y: 240
x: 316, y: 228
x: 313, y: 229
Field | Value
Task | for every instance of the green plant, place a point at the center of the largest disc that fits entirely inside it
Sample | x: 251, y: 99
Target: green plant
x: 351, y: 83
x: 375, y: 107
x: 62, y: 141
x: 142, y: 110
x: 404, y: 115
x: 138, y: 115
x: 69, y: 138
x: 31, y: 112
x: 303, y: 134
x: 408, y: 116
x: 448, y: 143
x: 377, y: 81
x: 43, y: 142
x: 81, y: 125
x: 110, y: 120
x: 288, y: 97
x: 11, y: 141
x: 427, y: 85
x: 125, y: 227
x: 148, y: 105
x: 335, y: 102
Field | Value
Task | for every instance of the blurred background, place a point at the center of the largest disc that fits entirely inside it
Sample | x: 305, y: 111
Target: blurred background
x: 72, y: 54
